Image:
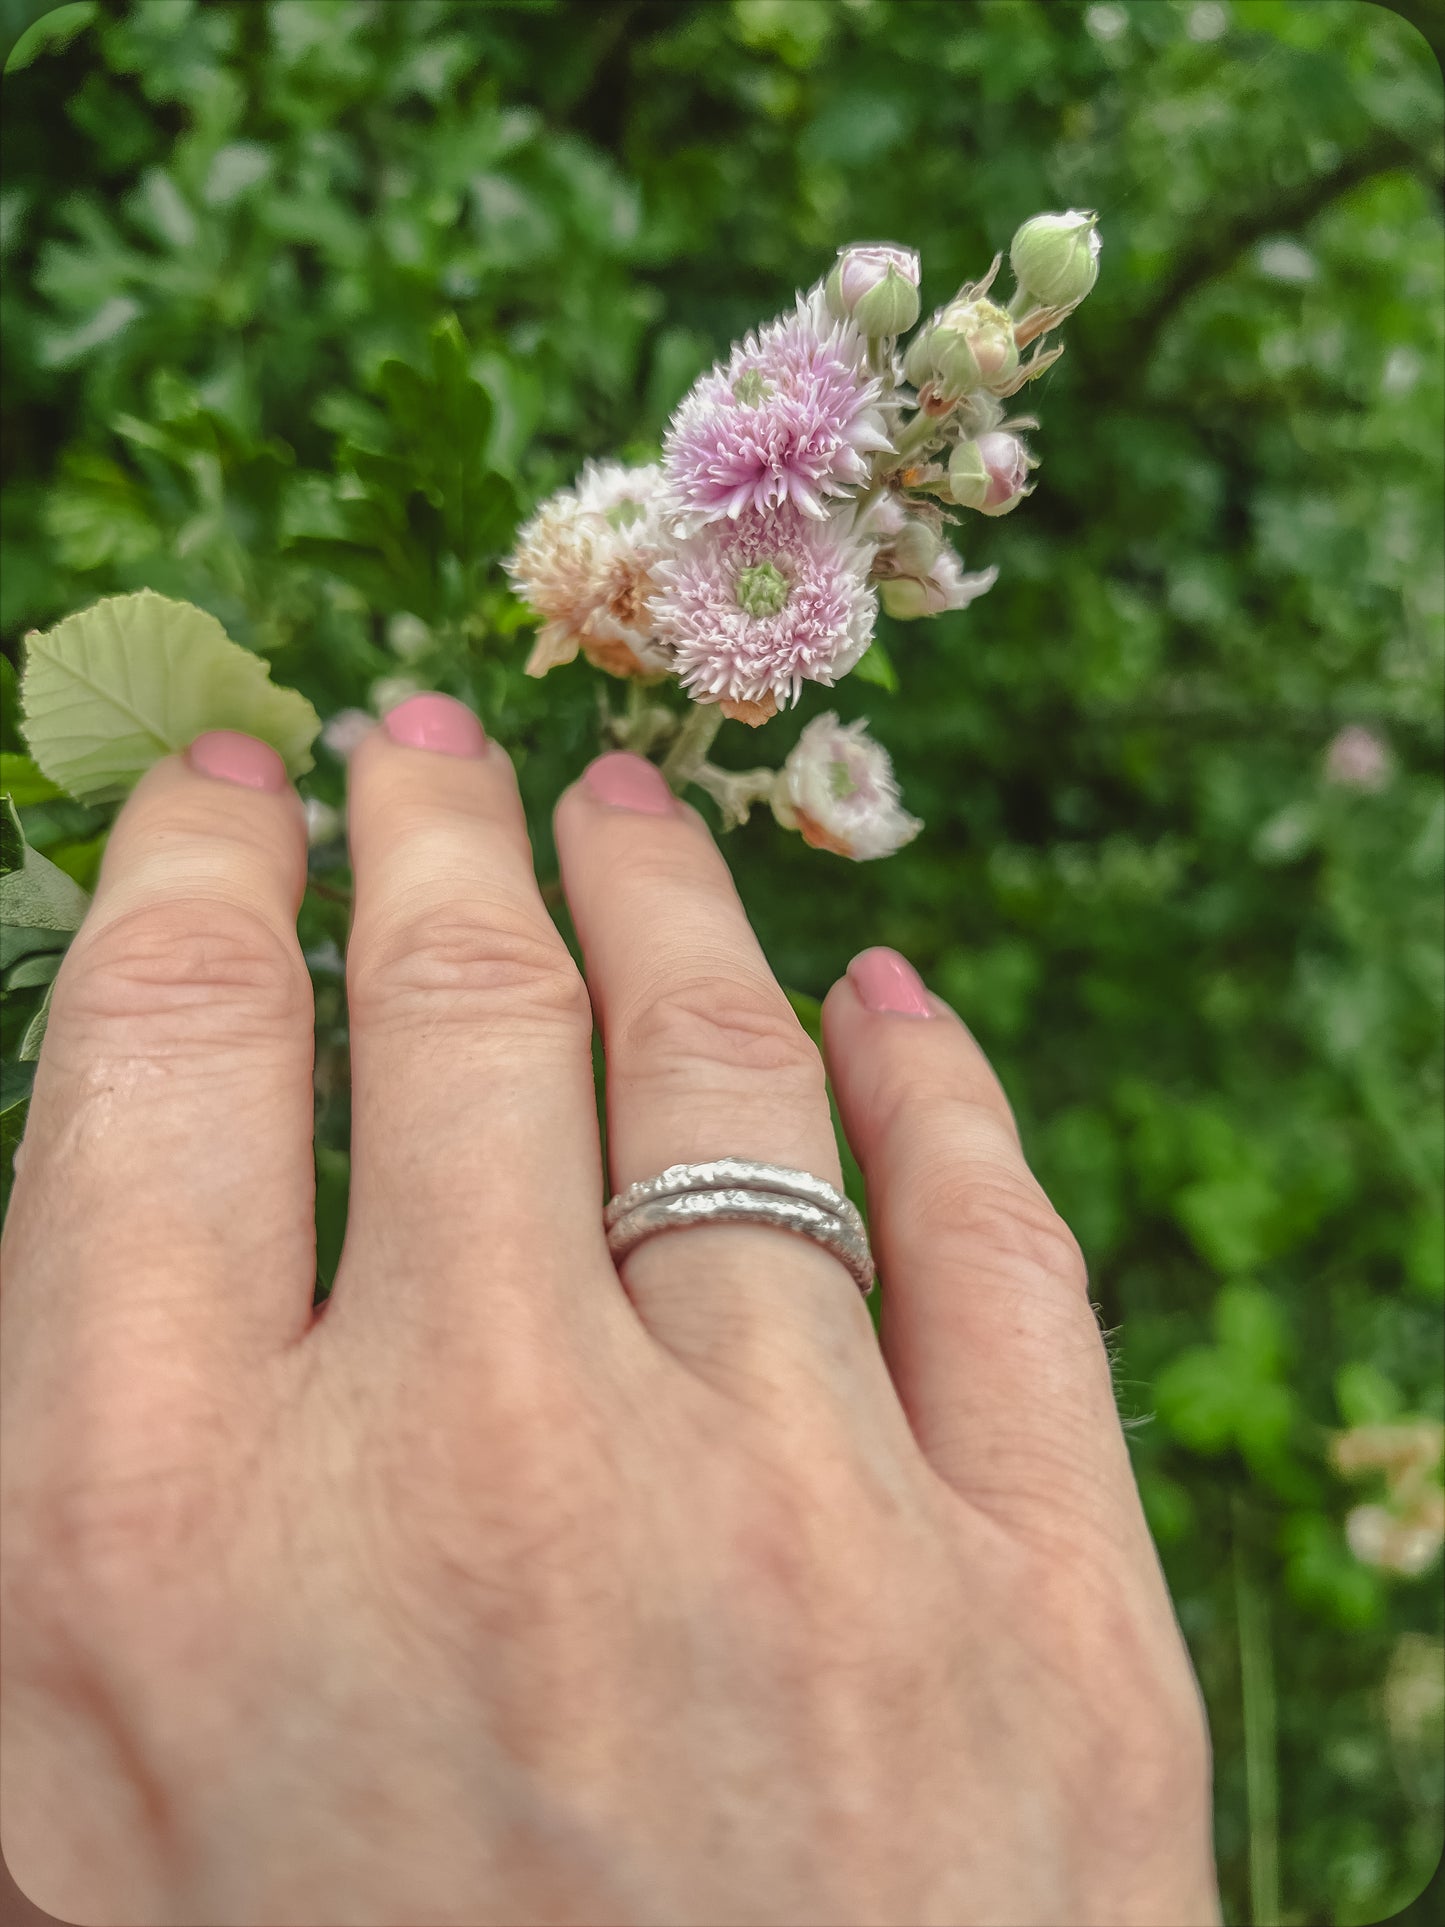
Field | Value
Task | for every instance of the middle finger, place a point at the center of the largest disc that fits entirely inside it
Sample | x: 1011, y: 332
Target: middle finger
x: 705, y: 1059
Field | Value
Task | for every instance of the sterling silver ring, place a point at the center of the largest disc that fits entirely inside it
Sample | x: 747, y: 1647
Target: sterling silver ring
x: 740, y: 1191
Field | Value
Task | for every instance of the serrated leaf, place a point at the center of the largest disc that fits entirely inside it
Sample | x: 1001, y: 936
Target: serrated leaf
x: 109, y: 691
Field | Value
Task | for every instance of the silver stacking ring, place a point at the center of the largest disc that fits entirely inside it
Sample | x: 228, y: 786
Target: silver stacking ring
x: 740, y: 1191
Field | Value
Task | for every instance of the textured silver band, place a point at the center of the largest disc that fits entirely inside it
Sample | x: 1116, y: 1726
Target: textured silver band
x: 741, y: 1191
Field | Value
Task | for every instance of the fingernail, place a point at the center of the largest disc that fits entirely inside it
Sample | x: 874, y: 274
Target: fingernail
x: 435, y: 722
x: 886, y: 981
x: 630, y: 783
x: 233, y: 758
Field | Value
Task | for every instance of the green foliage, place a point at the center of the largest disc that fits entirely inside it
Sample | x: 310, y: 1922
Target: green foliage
x: 306, y: 302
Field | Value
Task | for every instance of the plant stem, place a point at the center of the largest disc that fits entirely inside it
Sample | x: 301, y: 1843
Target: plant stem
x: 916, y: 436
x: 1256, y: 1692
x: 735, y: 790
x: 691, y: 745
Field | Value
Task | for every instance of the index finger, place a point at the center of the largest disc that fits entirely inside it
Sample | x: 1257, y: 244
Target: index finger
x: 166, y: 1188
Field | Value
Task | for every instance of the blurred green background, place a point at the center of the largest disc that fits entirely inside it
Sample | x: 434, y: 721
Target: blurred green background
x: 1203, y: 947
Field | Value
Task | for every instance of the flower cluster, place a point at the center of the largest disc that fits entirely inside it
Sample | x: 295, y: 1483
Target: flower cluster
x: 805, y: 480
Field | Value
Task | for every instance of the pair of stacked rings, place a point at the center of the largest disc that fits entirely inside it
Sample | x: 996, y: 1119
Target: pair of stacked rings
x: 740, y: 1191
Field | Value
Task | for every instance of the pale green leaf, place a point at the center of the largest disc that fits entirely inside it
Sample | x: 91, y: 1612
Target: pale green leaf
x: 112, y: 689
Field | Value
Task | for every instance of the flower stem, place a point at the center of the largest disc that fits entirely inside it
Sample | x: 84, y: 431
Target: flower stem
x: 916, y: 436
x: 735, y: 790
x: 691, y: 745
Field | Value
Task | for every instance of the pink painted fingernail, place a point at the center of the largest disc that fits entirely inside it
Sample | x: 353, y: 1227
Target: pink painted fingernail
x: 435, y: 722
x: 886, y: 981
x: 233, y: 758
x: 630, y: 783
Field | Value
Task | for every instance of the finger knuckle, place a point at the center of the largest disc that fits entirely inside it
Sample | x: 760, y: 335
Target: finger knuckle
x: 1000, y: 1220
x: 724, y: 1025
x: 466, y: 963
x: 216, y: 970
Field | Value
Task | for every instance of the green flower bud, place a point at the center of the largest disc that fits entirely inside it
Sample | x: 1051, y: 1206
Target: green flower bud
x: 969, y: 481
x: 876, y: 285
x: 905, y: 598
x: 889, y: 308
x: 968, y: 346
x: 918, y: 357
x: 1056, y: 257
x: 915, y: 548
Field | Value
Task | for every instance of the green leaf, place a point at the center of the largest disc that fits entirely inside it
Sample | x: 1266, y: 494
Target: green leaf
x: 1250, y: 1328
x: 1364, y: 1395
x: 876, y: 666
x: 31, y: 972
x: 25, y: 940
x: 15, y: 1083
x: 12, y: 837
x: 38, y: 896
x: 23, y: 782
x: 35, y: 1030
x: 112, y: 689
x: 9, y: 707
x: 1230, y: 1219
x: 1197, y: 1396
x: 53, y: 32
x: 1425, y: 1255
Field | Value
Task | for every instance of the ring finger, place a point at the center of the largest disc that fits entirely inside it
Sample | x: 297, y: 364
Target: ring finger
x: 705, y: 1059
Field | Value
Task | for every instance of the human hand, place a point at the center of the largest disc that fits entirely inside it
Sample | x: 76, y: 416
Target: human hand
x: 507, y: 1591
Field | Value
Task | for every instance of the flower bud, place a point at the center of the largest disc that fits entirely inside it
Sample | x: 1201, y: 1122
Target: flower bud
x: 990, y: 474
x: 1056, y: 257
x: 967, y: 346
x: 943, y: 586
x: 875, y: 285
x: 968, y: 479
x: 916, y: 547
x: 906, y: 599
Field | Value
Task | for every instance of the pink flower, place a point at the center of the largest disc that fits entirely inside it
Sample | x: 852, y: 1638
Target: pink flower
x: 790, y: 419
x: 1357, y: 759
x: 751, y: 609
x: 837, y: 787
